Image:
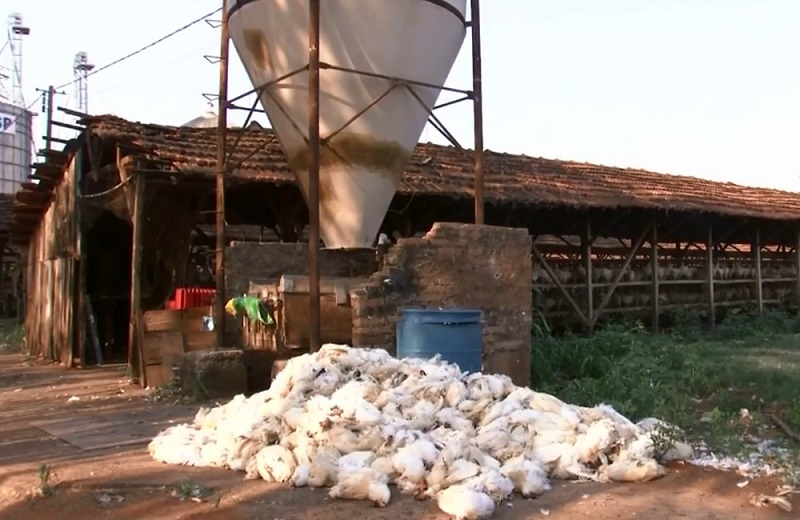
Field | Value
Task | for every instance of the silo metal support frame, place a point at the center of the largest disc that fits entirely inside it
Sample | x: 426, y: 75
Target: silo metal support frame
x: 222, y: 169
x: 315, y: 311
x: 315, y: 141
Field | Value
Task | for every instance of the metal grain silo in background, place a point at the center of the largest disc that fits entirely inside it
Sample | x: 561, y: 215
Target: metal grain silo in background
x: 370, y: 120
x: 15, y: 147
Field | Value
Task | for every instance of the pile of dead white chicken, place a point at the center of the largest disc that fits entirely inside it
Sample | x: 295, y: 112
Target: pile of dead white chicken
x: 358, y: 420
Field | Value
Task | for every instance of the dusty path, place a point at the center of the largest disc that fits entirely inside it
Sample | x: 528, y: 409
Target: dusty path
x: 123, y: 483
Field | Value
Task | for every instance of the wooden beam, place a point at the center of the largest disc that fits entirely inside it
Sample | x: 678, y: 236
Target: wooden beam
x: 776, y: 231
x: 28, y: 217
x: 46, y: 182
x: 34, y: 198
x: 759, y: 281
x: 125, y: 166
x: 32, y: 186
x: 677, y: 223
x: 610, y: 223
x: 654, y: 276
x: 47, y: 168
x: 549, y: 270
x: 586, y: 245
x: 29, y: 207
x: 565, y: 241
x: 135, y: 358
x: 57, y: 139
x: 710, y: 276
x: 607, y: 296
x: 58, y: 157
x: 732, y: 229
x: 67, y: 126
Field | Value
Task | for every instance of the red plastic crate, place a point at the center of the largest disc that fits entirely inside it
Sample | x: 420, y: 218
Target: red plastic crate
x: 189, y: 297
x: 203, y: 296
x: 180, y: 298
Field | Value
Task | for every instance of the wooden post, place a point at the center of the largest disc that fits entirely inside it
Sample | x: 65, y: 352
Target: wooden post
x: 710, y: 275
x: 79, y: 284
x: 759, y: 281
x: 635, y: 246
x: 586, y: 243
x: 797, y: 268
x: 654, y: 276
x: 539, y: 257
x: 135, y: 361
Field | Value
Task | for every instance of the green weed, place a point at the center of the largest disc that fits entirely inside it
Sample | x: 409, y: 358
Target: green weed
x: 12, y: 335
x: 719, y: 385
x: 188, y: 489
x: 45, y: 476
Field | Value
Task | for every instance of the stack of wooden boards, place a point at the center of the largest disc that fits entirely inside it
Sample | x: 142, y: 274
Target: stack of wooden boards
x: 168, y: 335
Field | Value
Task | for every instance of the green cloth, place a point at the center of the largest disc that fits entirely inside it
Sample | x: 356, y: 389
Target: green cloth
x: 251, y: 306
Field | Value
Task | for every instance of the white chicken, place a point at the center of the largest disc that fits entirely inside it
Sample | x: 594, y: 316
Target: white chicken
x: 464, y: 503
x: 362, y: 484
x: 359, y: 420
x: 275, y: 463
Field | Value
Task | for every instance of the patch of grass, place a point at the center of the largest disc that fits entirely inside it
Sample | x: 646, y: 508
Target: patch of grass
x: 173, y: 392
x: 188, y: 489
x: 12, y: 335
x: 45, y: 477
x: 170, y: 393
x: 721, y: 386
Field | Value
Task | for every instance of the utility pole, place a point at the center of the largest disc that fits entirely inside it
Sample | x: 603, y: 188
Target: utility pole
x: 47, y: 107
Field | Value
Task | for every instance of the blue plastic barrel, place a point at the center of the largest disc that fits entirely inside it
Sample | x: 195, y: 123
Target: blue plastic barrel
x: 455, y: 334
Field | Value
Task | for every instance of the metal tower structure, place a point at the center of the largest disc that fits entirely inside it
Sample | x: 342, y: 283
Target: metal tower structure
x: 4, y: 77
x: 80, y: 70
x: 16, y: 33
x: 315, y: 141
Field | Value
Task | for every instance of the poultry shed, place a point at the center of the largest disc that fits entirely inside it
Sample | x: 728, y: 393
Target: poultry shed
x: 624, y: 278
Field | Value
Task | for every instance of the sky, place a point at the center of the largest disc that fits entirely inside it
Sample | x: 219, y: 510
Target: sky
x: 707, y: 88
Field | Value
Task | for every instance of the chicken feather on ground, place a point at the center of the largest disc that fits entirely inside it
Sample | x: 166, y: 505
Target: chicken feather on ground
x: 359, y: 420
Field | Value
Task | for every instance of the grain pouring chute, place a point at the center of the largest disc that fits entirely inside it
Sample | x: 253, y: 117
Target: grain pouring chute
x: 370, y: 118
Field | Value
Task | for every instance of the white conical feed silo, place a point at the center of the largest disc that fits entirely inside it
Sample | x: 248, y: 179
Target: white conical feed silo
x: 363, y: 155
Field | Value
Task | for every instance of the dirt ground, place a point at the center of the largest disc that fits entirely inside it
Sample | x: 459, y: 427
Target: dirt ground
x: 123, y: 483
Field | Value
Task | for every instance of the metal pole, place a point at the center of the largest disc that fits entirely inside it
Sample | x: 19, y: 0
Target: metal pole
x: 222, y: 130
x: 51, y: 92
x: 477, y: 103
x: 314, y: 314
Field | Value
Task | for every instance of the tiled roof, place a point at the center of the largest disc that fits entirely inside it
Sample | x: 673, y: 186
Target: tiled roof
x: 444, y: 170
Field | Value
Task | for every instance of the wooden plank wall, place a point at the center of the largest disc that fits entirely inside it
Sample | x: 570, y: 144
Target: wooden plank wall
x: 50, y: 318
